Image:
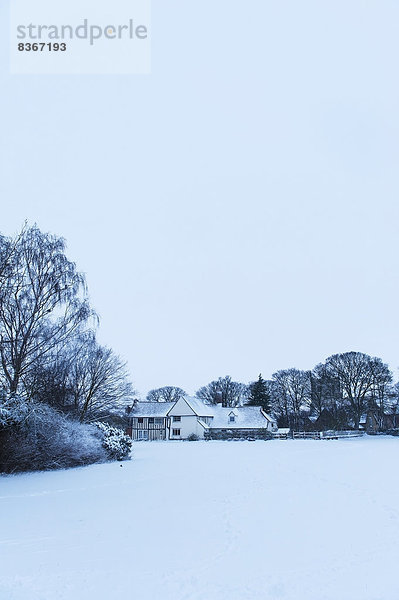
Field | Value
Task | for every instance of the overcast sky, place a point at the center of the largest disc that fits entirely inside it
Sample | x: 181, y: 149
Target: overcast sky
x: 236, y: 211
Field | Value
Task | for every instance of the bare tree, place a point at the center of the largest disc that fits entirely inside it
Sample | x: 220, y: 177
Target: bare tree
x: 48, y: 380
x: 360, y: 376
x: 209, y: 393
x: 292, y: 393
x: 382, y: 393
x: 43, y: 305
x: 325, y: 390
x: 230, y: 393
x: 98, y: 381
x: 7, y: 249
x: 168, y: 393
x: 394, y: 403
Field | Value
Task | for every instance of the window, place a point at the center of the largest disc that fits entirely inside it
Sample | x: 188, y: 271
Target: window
x: 158, y: 421
x: 140, y: 420
x: 175, y: 419
x: 232, y: 418
x: 151, y: 420
x: 175, y: 431
x: 143, y: 435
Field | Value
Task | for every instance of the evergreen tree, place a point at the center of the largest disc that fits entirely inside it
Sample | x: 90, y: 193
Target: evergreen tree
x: 259, y: 394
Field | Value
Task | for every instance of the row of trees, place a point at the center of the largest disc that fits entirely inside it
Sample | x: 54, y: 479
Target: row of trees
x: 340, y: 390
x: 49, y: 354
x: 344, y: 387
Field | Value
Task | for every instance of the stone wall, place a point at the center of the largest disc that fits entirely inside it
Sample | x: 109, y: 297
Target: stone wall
x: 237, y: 434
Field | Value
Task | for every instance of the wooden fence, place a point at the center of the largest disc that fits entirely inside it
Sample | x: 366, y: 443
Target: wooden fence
x: 317, y: 435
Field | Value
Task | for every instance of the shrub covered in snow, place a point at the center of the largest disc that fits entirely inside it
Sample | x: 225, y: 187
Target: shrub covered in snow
x: 34, y: 436
x: 13, y: 410
x: 116, y: 443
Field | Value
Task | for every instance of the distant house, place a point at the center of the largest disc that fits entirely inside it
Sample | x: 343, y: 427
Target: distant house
x: 324, y: 421
x: 149, y: 421
x: 191, y: 417
x: 376, y: 420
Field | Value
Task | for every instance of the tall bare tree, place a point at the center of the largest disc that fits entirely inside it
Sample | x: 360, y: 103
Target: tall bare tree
x: 224, y: 390
x: 42, y: 305
x: 382, y: 395
x: 360, y: 376
x: 292, y: 393
x: 169, y: 393
x: 98, y: 381
x: 325, y: 390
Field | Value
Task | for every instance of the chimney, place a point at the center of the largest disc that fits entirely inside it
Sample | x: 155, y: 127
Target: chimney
x: 219, y: 398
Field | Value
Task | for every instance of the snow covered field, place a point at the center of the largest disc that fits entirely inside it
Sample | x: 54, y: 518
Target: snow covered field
x: 303, y: 520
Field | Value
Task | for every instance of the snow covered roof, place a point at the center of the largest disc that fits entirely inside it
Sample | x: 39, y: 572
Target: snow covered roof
x: 268, y: 417
x: 245, y: 417
x: 200, y: 408
x: 151, y: 409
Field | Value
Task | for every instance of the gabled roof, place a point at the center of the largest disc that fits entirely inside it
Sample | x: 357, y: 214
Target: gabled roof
x: 200, y: 408
x: 151, y: 409
x: 268, y: 417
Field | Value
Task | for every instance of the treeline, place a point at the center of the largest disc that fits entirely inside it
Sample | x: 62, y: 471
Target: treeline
x: 335, y: 394
x: 55, y: 378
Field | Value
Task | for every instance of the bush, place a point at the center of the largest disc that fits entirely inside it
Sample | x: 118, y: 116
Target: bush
x: 45, y: 439
x: 115, y: 442
x: 13, y: 410
x: 193, y: 437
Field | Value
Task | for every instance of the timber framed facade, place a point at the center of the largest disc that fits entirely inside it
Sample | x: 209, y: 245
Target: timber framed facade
x: 149, y: 421
x: 148, y: 428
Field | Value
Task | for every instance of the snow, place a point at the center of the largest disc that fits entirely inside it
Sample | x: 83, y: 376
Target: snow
x: 292, y: 520
x: 283, y: 430
x: 246, y: 417
x: 200, y: 408
x: 152, y: 409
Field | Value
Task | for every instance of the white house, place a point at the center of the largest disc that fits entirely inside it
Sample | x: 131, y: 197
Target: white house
x: 192, y: 417
x: 187, y: 417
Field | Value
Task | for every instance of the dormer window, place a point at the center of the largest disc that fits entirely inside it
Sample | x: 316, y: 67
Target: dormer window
x: 232, y: 418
